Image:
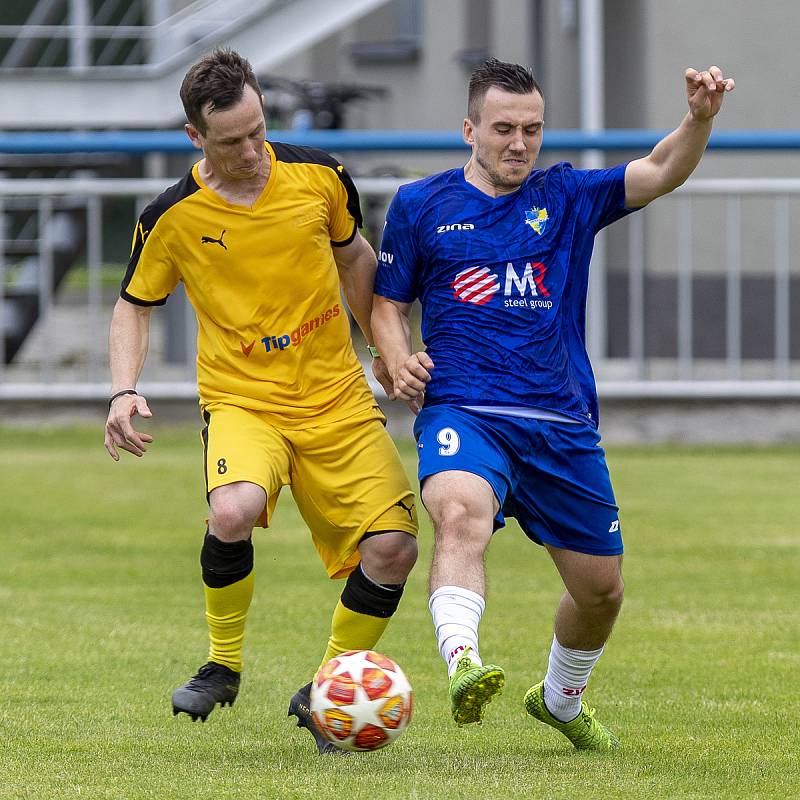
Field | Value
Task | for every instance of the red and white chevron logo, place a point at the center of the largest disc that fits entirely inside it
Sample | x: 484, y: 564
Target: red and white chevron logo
x: 475, y: 285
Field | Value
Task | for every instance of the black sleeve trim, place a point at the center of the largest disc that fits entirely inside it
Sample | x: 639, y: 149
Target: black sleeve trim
x: 296, y: 154
x: 348, y: 240
x: 353, y: 203
x: 137, y: 302
x: 147, y: 221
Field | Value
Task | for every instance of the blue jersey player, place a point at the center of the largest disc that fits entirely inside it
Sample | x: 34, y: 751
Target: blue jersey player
x: 498, y: 255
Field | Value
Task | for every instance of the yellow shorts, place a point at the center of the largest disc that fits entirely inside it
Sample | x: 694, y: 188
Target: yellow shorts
x: 346, y: 476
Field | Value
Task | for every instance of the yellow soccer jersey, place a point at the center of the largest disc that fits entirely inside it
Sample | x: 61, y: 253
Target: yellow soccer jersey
x: 273, y: 334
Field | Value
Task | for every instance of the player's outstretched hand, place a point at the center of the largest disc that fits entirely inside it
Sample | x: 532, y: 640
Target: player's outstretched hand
x: 411, y: 379
x: 119, y: 426
x: 705, y: 91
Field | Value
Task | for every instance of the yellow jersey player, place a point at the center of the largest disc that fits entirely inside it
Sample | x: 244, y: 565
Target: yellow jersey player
x: 264, y: 236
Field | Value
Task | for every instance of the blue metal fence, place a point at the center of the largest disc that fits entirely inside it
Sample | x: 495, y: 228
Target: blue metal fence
x: 175, y: 141
x: 662, y: 296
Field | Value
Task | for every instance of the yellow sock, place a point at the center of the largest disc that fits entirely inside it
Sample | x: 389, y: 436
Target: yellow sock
x: 226, y: 612
x: 353, y: 631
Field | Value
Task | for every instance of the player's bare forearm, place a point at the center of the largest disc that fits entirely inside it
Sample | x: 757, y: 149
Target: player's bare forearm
x: 128, y: 345
x: 669, y: 164
x: 410, y: 372
x: 356, y: 263
x: 392, y: 332
x: 677, y: 155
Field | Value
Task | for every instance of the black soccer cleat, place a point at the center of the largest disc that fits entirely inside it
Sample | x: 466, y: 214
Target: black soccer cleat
x: 213, y: 684
x: 300, y: 707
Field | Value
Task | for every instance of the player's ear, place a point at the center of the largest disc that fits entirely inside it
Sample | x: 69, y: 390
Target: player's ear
x: 194, y: 135
x: 468, y: 133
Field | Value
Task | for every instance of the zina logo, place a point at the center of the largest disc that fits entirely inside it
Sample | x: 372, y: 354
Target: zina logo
x: 456, y: 226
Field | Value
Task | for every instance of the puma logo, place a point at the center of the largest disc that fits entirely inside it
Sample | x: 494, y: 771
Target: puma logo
x: 408, y: 509
x: 212, y: 240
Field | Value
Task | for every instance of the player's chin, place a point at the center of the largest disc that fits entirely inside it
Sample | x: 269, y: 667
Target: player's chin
x: 515, y: 180
x: 516, y: 171
x: 247, y: 170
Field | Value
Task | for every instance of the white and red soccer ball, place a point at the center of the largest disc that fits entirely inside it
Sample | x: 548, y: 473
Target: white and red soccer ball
x: 361, y: 700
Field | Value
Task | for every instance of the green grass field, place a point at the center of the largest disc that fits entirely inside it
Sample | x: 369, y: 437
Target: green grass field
x: 102, y: 618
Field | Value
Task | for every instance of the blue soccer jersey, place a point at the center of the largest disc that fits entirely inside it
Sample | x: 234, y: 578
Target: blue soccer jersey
x: 502, y: 283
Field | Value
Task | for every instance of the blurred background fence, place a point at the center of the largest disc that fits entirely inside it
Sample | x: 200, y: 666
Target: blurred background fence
x: 693, y: 321
x: 663, y: 321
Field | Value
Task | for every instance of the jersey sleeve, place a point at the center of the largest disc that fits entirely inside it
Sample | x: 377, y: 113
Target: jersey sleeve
x: 600, y: 195
x: 345, y: 216
x: 398, y: 257
x: 152, y: 274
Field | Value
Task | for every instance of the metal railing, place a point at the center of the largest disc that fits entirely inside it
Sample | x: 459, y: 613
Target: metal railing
x: 92, y: 42
x: 732, y: 367
x: 636, y: 371
x: 373, y: 140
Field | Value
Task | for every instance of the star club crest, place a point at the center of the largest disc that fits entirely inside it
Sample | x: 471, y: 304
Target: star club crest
x: 537, y: 219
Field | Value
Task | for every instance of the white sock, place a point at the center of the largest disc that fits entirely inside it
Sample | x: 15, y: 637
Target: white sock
x: 456, y: 613
x: 567, y: 675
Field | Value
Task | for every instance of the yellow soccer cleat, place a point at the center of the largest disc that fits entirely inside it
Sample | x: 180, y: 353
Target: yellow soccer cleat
x: 585, y: 732
x: 472, y: 687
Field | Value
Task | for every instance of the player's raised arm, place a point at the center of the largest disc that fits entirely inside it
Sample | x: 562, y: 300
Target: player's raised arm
x: 675, y: 157
x: 128, y: 343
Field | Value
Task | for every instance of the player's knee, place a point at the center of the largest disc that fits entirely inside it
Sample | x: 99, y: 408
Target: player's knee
x: 393, y: 553
x: 402, y: 555
x: 617, y: 593
x: 605, y: 597
x: 459, y: 527
x: 233, y: 513
x: 230, y: 524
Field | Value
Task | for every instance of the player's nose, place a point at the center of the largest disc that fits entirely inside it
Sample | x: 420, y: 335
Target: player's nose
x: 517, y: 142
x: 249, y: 151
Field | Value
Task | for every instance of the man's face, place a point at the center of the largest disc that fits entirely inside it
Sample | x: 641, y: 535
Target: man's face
x: 507, y: 139
x: 233, y: 143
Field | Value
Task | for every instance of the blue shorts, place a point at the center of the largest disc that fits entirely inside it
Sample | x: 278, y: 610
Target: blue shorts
x: 551, y: 476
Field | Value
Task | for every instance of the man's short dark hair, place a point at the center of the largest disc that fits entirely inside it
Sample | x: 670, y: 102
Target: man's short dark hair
x: 219, y: 79
x: 512, y: 78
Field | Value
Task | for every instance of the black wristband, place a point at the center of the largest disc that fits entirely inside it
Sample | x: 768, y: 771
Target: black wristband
x: 119, y: 394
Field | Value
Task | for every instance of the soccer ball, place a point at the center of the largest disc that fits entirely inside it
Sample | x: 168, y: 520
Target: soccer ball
x: 361, y: 700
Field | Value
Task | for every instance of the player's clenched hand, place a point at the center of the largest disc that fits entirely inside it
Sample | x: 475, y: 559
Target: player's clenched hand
x: 119, y: 428
x: 411, y: 378
x: 381, y: 373
x: 705, y: 91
